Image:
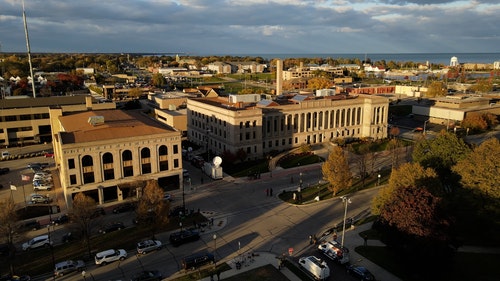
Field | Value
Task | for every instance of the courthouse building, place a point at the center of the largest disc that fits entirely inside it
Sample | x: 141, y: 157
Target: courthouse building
x: 109, y: 154
x: 258, y: 127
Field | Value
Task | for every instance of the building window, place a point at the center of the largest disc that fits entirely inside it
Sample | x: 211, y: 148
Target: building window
x: 71, y: 163
x: 25, y: 117
x: 88, y: 169
x: 176, y: 163
x: 146, y: 161
x: 72, y: 179
x: 128, y: 168
x: 176, y: 149
x: 108, y: 168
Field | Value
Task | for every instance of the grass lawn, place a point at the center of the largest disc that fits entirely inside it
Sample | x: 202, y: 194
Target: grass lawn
x: 465, y: 266
x: 264, y: 273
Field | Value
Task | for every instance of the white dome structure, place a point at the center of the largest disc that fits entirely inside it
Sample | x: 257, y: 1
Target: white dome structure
x: 454, y: 61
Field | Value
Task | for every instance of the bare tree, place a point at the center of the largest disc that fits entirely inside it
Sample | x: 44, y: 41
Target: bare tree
x: 83, y: 213
x: 8, y: 226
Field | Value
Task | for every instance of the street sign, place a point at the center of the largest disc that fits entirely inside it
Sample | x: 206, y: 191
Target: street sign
x: 290, y: 251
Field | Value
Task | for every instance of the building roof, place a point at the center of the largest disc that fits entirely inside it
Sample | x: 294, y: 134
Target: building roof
x: 42, y: 101
x: 117, y: 124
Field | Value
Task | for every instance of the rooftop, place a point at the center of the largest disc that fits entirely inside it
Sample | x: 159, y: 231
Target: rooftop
x: 117, y: 124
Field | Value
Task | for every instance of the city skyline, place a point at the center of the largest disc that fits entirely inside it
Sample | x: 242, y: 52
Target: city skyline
x: 251, y: 26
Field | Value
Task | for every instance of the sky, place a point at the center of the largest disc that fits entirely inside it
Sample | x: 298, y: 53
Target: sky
x: 235, y: 27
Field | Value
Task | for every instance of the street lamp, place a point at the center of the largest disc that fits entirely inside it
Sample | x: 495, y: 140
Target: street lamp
x: 346, y: 201
x: 425, y: 125
x: 51, y: 248
x: 215, y: 249
x: 378, y: 181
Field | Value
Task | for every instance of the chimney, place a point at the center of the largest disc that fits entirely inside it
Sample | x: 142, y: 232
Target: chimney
x: 279, y: 77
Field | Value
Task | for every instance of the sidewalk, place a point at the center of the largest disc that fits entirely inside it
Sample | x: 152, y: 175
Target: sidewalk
x: 351, y: 241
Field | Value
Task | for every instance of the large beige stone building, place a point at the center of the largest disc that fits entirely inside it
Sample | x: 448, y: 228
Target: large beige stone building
x: 259, y: 127
x: 107, y: 154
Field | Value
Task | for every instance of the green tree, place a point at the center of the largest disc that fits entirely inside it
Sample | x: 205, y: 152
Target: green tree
x: 336, y: 171
x: 436, y: 89
x: 135, y: 93
x: 480, y: 170
x: 441, y: 154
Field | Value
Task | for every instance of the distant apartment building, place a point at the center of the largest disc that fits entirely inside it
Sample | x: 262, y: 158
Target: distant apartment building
x: 259, y: 127
x: 109, y: 154
x: 26, y: 120
x: 309, y: 71
x: 220, y: 67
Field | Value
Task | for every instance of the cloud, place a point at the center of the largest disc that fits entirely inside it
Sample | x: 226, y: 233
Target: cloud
x: 252, y: 26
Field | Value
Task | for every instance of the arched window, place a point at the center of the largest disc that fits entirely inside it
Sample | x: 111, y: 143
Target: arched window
x: 146, y: 160
x: 163, y: 157
x: 88, y: 169
x: 108, y: 168
x: 128, y: 167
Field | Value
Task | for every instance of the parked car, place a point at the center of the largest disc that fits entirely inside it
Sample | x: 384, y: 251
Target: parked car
x: 68, y: 266
x: 147, y: 246
x: 37, y: 242
x: 315, y: 266
x: 67, y: 237
x: 62, y: 219
x: 29, y: 225
x: 184, y: 236
x: 145, y: 219
x: 9, y: 277
x: 360, y: 272
x: 168, y: 197
x: 111, y: 255
x: 42, y: 177
x: 197, y: 260
x: 42, y: 185
x: 148, y: 275
x: 98, y: 212
x: 114, y: 226
x: 36, y: 198
x: 5, y: 154
x: 4, y: 171
x: 334, y: 251
x: 125, y: 207
x: 49, y: 155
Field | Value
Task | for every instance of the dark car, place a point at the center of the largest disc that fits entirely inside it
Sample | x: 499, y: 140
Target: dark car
x: 112, y: 227
x: 29, y: 225
x: 4, y: 171
x: 98, y: 212
x: 126, y: 207
x: 62, y: 219
x: 197, y: 260
x: 148, y: 275
x: 145, y: 219
x: 184, y: 236
x: 360, y: 272
x: 177, y: 211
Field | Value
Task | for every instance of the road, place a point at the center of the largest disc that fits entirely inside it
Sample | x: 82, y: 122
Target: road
x: 253, y: 221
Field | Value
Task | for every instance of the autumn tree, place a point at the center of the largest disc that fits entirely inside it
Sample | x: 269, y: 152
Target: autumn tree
x: 83, y: 214
x: 336, y: 171
x: 152, y: 208
x: 158, y: 80
x: 408, y: 174
x: 479, y: 122
x: 441, y: 153
x: 436, y: 89
x: 8, y: 226
x: 135, y: 93
x: 319, y: 83
x: 482, y: 86
x: 480, y: 170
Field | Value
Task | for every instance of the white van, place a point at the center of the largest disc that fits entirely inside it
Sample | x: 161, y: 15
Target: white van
x: 334, y: 251
x: 316, y: 267
x: 5, y: 154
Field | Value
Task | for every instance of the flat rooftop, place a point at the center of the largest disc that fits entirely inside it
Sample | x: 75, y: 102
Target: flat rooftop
x: 117, y: 124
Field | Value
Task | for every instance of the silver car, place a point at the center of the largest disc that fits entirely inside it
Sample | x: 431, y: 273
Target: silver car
x: 147, y: 246
x: 68, y: 266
